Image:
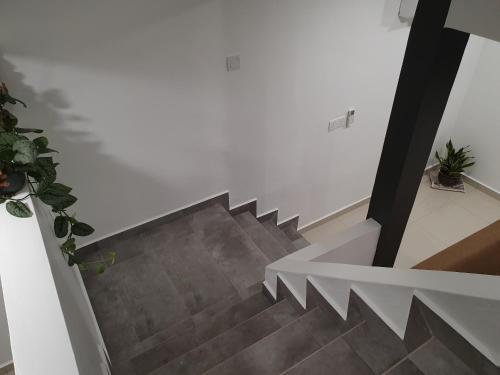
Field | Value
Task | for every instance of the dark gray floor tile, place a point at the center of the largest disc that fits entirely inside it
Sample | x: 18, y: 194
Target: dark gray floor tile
x: 456, y: 343
x: 150, y: 297
x: 335, y: 358
x: 283, y: 292
x: 405, y: 368
x: 209, y: 323
x: 221, y: 347
x: 235, y: 253
x: 196, y: 276
x: 281, y: 237
x: 319, y: 324
x: 261, y: 237
x: 290, y: 228
x: 272, y: 355
x: 377, y: 345
x: 116, y: 325
x: 435, y: 359
x: 162, y: 354
x: 284, y: 313
x: 354, y: 317
x: 417, y: 332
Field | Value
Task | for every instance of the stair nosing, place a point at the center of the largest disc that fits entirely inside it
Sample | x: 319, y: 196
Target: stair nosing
x: 322, y: 346
x: 230, y: 329
x: 265, y: 337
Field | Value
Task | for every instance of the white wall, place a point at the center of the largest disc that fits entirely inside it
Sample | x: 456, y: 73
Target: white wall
x: 5, y: 352
x: 478, y: 121
x: 136, y: 97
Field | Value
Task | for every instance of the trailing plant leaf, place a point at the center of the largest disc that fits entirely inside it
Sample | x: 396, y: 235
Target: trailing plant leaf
x: 69, y: 245
x: 41, y: 145
x: 61, y: 226
x: 81, y: 229
x: 21, y: 154
x: 57, y: 201
x: 25, y: 151
x: 18, y: 209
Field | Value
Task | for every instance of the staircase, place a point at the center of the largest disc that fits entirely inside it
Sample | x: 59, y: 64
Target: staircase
x: 186, y: 297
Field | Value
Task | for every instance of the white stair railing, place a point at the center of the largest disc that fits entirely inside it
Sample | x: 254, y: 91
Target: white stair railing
x: 469, y: 303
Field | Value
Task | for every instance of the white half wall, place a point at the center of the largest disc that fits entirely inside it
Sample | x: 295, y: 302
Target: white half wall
x: 136, y: 97
x: 5, y: 352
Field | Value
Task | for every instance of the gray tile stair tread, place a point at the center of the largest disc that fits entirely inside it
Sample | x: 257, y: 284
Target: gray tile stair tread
x: 169, y: 273
x: 230, y: 342
x: 236, y: 254
x: 334, y: 358
x: 282, y: 238
x: 266, y: 242
x: 197, y: 330
x: 405, y: 368
x: 434, y: 358
x: 377, y: 345
x: 271, y: 355
x: 301, y: 243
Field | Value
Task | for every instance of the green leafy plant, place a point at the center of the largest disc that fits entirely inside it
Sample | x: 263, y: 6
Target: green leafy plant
x: 28, y: 157
x: 456, y: 161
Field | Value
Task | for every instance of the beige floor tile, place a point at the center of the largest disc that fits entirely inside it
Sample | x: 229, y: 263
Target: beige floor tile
x: 417, y: 245
x: 325, y: 234
x: 355, y: 216
x: 481, y: 205
x: 451, y: 223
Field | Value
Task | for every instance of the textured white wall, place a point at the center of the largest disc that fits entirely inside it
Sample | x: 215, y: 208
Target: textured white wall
x: 478, y: 121
x: 136, y: 97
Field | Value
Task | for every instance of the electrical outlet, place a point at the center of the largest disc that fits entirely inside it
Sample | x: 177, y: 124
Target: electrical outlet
x: 339, y: 122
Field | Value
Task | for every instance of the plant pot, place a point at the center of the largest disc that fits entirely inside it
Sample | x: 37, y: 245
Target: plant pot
x: 448, y: 180
x: 16, y: 181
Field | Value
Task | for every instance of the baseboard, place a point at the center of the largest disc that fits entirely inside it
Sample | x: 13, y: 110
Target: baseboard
x: 6, y: 367
x: 222, y: 198
x: 334, y: 215
x: 482, y: 186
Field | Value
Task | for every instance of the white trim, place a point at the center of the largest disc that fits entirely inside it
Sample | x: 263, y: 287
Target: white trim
x: 288, y: 219
x: 267, y: 212
x: 485, y: 186
x: 242, y: 204
x: 154, y: 218
x: 333, y: 214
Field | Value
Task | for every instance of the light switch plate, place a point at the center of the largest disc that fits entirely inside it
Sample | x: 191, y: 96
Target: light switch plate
x: 233, y: 63
x: 338, y: 123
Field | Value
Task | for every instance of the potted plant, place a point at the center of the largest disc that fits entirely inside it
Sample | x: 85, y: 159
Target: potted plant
x: 453, y: 164
x: 25, y: 160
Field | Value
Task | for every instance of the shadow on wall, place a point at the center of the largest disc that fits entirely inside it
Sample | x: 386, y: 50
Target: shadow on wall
x: 47, y: 110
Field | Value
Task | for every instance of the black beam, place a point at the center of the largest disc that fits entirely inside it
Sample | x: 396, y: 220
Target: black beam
x: 432, y: 59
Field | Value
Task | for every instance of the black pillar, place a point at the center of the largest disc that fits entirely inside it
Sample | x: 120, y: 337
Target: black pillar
x: 432, y: 59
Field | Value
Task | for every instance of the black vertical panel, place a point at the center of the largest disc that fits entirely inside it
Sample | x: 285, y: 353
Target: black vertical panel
x: 430, y: 66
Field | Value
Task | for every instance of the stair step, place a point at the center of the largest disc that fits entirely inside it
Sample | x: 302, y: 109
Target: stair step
x: 266, y: 242
x: 273, y: 354
x: 197, y: 330
x: 434, y: 358
x: 405, y: 368
x: 336, y: 357
x: 230, y: 342
x: 280, y: 236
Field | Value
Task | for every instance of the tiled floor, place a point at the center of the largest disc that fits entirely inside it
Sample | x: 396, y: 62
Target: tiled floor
x: 438, y: 220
